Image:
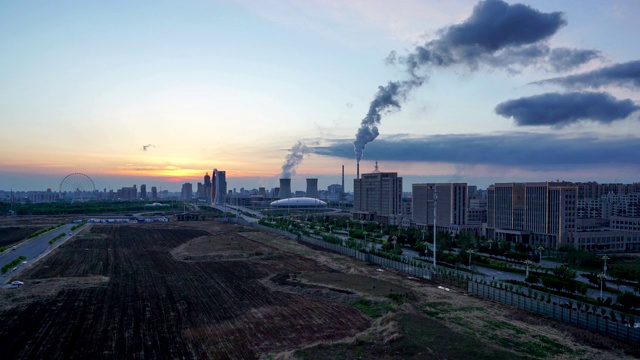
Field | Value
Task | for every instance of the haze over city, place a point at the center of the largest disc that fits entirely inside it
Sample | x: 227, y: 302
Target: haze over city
x: 162, y: 92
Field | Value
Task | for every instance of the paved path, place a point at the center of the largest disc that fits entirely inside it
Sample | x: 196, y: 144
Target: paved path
x: 33, y: 249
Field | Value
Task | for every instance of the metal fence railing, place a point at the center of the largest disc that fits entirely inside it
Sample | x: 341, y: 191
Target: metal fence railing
x: 582, y: 319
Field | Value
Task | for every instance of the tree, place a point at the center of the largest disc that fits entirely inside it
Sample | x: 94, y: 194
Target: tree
x: 421, y: 248
x: 628, y: 300
x: 532, y: 279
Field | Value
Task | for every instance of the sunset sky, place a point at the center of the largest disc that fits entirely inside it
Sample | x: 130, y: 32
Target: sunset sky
x: 235, y: 85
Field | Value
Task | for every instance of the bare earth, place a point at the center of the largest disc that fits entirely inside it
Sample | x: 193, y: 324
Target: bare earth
x: 210, y: 290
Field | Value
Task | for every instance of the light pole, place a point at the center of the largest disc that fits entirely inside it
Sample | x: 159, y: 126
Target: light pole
x: 490, y: 241
x: 540, y: 250
x: 605, y: 258
x: 528, y: 262
x: 602, y: 277
x: 435, y: 200
x: 470, y: 252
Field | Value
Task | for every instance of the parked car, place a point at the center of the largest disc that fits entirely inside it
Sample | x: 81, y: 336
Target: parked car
x: 17, y: 283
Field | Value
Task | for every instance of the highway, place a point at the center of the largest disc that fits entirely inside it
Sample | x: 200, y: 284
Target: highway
x: 33, y: 249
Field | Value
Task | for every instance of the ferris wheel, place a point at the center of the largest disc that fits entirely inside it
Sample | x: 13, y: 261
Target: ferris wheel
x: 77, y: 187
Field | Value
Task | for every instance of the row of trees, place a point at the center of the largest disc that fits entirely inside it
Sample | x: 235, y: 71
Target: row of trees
x: 86, y: 208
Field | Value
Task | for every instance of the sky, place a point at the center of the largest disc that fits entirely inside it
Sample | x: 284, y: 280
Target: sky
x: 161, y: 92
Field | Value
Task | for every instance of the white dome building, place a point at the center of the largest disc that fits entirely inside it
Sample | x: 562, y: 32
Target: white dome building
x: 299, y: 202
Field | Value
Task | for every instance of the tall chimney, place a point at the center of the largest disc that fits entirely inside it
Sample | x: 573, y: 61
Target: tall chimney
x: 358, y: 170
x: 342, y: 195
x: 312, y: 188
x: 285, y: 189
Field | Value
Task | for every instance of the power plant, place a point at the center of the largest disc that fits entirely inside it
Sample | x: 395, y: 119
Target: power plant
x: 312, y: 188
x: 285, y: 189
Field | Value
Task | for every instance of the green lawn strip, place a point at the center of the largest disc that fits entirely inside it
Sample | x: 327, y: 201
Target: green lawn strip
x: 373, y: 309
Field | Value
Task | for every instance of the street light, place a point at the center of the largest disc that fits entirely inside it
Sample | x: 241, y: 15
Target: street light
x: 605, y: 258
x: 602, y: 277
x: 470, y: 252
x: 490, y: 241
x: 528, y: 262
x: 540, y: 250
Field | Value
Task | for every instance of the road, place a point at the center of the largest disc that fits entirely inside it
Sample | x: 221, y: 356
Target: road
x: 33, y: 249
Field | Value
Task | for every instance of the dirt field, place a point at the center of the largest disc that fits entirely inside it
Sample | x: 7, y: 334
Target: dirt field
x: 209, y: 290
x: 13, y: 234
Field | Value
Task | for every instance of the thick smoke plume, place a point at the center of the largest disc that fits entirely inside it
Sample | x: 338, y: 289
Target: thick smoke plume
x: 496, y: 35
x: 387, y: 98
x: 560, y: 110
x: 293, y: 159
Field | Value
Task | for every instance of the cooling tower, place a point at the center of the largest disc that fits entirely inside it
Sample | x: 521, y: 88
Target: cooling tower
x: 312, y: 188
x: 285, y: 189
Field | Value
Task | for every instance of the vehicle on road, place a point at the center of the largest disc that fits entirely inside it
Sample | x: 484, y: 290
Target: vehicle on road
x: 17, y: 283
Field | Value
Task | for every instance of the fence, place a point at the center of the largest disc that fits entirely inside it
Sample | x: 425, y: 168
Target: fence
x: 580, y: 319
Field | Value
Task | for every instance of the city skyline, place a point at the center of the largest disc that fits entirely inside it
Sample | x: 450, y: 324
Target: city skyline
x: 158, y: 93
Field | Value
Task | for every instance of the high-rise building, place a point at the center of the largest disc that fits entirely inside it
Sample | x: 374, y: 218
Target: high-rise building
x: 377, y: 197
x: 187, y: 191
x: 542, y: 213
x: 143, y: 192
x: 207, y: 188
x: 219, y: 187
x: 154, y: 193
x: 451, y: 205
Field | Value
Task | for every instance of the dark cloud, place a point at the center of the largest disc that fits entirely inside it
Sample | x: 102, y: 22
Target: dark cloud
x: 496, y: 33
x: 523, y: 150
x: 559, y: 110
x: 564, y: 59
x: 623, y: 75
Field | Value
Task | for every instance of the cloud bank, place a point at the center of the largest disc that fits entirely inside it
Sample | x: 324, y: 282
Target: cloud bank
x: 523, y: 150
x: 558, y: 110
x: 622, y: 75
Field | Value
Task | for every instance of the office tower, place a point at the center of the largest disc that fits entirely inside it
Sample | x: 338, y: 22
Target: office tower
x: 377, y: 197
x: 541, y: 213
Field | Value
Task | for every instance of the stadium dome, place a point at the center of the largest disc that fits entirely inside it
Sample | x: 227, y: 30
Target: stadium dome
x: 300, y: 202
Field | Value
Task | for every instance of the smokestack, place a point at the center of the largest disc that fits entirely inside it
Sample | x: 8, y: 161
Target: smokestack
x: 358, y: 170
x: 285, y: 189
x: 342, y: 195
x: 312, y: 188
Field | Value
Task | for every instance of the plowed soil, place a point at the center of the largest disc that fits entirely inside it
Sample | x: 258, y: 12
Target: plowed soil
x: 219, y: 291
